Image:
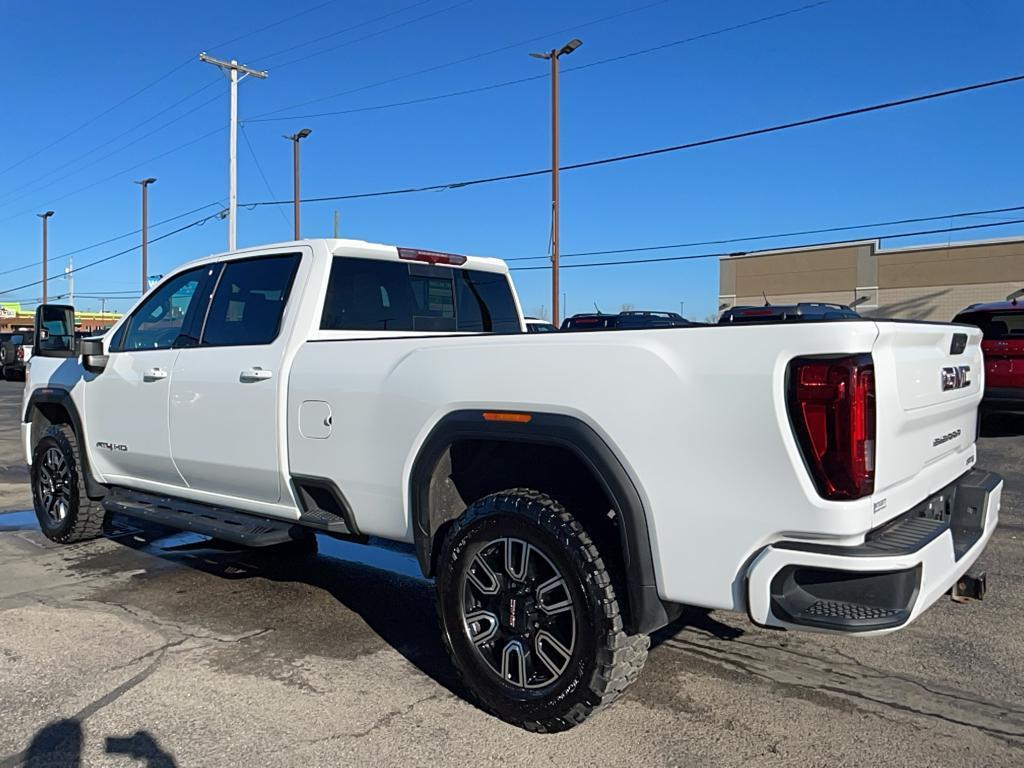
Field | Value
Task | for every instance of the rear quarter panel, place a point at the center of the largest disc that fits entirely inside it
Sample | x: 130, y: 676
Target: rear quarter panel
x: 695, y: 415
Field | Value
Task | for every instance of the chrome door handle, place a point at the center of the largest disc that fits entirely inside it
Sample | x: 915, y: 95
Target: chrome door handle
x: 154, y: 374
x: 255, y: 374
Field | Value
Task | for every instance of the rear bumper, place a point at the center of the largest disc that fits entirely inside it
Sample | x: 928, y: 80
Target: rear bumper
x: 889, y: 580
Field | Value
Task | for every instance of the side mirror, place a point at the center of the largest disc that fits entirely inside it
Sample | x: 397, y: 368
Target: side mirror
x: 54, y: 331
x: 93, y: 357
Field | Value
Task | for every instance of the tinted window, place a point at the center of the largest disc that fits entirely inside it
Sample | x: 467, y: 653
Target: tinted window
x: 995, y: 327
x: 374, y: 295
x: 540, y: 328
x: 158, y: 323
x: 250, y: 300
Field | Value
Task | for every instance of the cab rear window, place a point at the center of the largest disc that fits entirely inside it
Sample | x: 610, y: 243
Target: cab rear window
x: 376, y: 295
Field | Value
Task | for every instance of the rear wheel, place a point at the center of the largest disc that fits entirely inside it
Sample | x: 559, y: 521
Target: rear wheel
x: 529, y: 614
x: 65, y: 513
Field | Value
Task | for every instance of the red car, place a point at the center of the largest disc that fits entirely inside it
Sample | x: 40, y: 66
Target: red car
x: 1002, y: 323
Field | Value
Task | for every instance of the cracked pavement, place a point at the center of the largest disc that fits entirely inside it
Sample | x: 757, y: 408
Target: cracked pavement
x: 150, y: 647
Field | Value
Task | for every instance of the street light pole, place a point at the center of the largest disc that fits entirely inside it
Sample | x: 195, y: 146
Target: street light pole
x: 44, y: 217
x: 295, y: 138
x: 554, y: 55
x: 233, y: 68
x: 144, y: 183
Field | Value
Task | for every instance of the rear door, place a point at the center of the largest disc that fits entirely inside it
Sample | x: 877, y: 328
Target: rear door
x: 226, y: 391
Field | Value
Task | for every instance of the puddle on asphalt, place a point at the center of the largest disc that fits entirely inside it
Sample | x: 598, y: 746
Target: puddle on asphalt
x: 379, y: 554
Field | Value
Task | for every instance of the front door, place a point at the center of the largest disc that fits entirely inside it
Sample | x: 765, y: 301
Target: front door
x: 126, y: 405
x: 226, y: 391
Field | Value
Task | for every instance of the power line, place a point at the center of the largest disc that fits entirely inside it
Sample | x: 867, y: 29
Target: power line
x: 277, y: 23
x: 263, y: 116
x: 122, y: 147
x: 262, y: 59
x: 35, y: 264
x: 93, y: 119
x: 256, y: 160
x: 260, y: 118
x: 125, y: 170
x: 750, y: 238
x: 145, y: 88
x: 196, y: 223
x: 661, y: 150
x: 719, y: 254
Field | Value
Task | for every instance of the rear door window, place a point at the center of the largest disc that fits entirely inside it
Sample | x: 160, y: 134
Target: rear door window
x: 249, y: 301
x: 377, y: 295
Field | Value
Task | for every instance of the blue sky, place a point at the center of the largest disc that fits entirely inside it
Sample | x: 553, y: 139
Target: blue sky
x: 73, y: 64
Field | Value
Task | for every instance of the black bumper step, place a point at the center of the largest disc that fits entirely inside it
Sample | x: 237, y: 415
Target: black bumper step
x: 217, y: 522
x: 959, y: 507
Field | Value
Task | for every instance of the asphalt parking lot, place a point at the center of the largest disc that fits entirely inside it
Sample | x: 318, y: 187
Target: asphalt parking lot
x: 151, y: 648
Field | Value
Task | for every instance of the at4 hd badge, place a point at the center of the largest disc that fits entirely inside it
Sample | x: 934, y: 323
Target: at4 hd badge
x: 111, y: 446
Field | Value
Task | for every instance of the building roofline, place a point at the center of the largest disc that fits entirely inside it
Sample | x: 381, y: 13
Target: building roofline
x: 875, y: 244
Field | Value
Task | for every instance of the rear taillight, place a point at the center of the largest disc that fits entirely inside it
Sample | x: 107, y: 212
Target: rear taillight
x: 832, y: 410
x: 21, y: 353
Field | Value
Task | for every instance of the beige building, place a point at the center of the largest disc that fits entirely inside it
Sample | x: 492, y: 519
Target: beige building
x: 927, y: 282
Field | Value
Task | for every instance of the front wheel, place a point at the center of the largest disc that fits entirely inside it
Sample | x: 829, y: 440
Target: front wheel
x: 529, y: 614
x: 65, y: 513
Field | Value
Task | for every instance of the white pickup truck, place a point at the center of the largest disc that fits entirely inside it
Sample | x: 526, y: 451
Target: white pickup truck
x: 568, y: 492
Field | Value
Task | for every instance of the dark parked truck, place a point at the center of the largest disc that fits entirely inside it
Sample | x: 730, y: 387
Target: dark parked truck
x: 568, y: 492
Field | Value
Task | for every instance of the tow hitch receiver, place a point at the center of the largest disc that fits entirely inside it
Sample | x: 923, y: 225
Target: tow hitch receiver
x: 968, y: 587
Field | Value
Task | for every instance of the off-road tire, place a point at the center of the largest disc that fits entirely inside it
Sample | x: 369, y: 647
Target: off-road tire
x: 607, y: 659
x: 84, y: 517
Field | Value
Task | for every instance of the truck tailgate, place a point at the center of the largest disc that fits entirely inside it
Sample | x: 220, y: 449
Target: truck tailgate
x: 929, y: 378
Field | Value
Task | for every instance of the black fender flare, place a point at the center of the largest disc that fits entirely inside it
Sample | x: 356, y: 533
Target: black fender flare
x: 647, y: 611
x: 62, y: 398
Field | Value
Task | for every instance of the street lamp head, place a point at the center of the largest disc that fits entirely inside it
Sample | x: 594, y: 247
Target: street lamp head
x: 541, y: 55
x: 571, y: 46
x: 144, y: 182
x: 304, y: 133
x: 46, y: 215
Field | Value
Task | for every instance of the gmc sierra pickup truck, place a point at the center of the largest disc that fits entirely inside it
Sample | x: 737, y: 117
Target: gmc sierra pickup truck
x: 567, y: 492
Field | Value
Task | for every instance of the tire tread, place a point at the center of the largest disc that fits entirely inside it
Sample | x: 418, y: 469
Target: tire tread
x: 620, y: 657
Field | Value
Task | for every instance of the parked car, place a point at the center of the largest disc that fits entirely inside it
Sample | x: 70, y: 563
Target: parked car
x: 787, y: 313
x: 647, y: 319
x: 536, y: 325
x: 15, y: 351
x: 590, y: 321
x: 1002, y: 324
x: 568, y: 497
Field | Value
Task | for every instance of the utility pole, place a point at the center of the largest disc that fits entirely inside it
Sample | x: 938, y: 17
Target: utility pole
x: 44, y: 217
x: 233, y: 68
x: 335, y: 223
x: 144, y: 183
x: 554, y: 54
x: 295, y: 138
x: 681, y: 309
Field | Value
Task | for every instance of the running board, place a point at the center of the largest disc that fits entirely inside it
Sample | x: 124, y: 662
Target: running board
x: 217, y: 522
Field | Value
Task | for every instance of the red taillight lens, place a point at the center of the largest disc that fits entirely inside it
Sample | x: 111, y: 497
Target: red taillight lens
x: 21, y: 353
x: 832, y: 410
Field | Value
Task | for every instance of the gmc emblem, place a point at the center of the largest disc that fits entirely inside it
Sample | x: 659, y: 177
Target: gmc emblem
x: 956, y: 378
